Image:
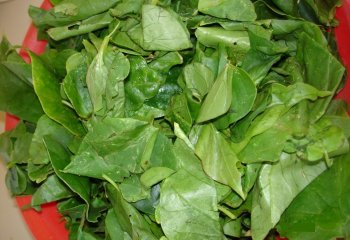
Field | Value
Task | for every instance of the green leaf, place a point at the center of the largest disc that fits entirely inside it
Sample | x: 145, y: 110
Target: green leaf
x: 294, y: 93
x: 60, y: 158
x: 259, y: 125
x: 163, y: 30
x: 218, y: 159
x: 163, y: 154
x: 132, y: 189
x: 166, y: 61
x: 91, y: 24
x: 46, y: 126
x: 219, y: 98
x: 258, y: 64
x: 321, y: 210
x: 51, y: 190
x: 188, y: 208
x: 113, y: 227
x: 15, y: 87
x: 130, y: 220
x: 69, y: 11
x: 240, y: 10
x: 327, y: 77
x: 198, y: 78
x: 16, y: 180
x: 114, y: 147
x: 74, y: 85
x: 143, y: 82
x: 155, y: 175
x: 326, y: 141
x: 243, y: 96
x: 214, y: 36
x: 180, y: 112
x: 126, y: 7
x: 47, y: 87
x: 233, y: 228
x: 276, y: 188
x: 105, y: 79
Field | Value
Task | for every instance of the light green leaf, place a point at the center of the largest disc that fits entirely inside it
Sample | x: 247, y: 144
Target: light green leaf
x: 188, y: 208
x: 214, y: 36
x: 114, y: 147
x: 74, y: 85
x: 219, y: 98
x: 163, y: 30
x: 132, y: 189
x: 155, y: 175
x: 276, y: 188
x: 238, y: 10
x: 243, y: 96
x: 91, y: 24
x: 218, y: 159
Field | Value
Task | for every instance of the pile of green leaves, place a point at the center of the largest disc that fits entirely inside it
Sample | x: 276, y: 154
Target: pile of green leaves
x: 182, y: 119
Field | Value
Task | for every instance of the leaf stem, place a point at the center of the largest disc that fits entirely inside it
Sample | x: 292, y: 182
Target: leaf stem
x: 227, y: 212
x: 108, y: 179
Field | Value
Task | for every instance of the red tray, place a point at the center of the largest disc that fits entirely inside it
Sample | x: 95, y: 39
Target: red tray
x: 48, y: 224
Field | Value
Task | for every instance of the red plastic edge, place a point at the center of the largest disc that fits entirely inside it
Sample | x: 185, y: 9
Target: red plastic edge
x: 342, y: 36
x: 48, y: 224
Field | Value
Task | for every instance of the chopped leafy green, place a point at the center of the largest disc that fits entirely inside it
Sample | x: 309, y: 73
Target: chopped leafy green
x: 182, y: 119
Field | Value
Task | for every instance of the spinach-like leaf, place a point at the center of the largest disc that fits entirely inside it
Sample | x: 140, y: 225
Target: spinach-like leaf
x: 276, y: 188
x: 16, y: 86
x: 74, y: 85
x: 183, y: 119
x: 321, y: 210
x: 163, y: 30
x: 218, y: 159
x: 188, y: 208
x: 69, y: 11
x: 155, y: 175
x: 243, y: 96
x: 219, y: 98
x: 130, y: 220
x: 47, y: 87
x: 93, y: 23
x: 46, y: 126
x: 214, y: 36
x: 198, y: 78
x: 241, y: 10
x: 132, y: 189
x: 104, y: 76
x: 114, y: 147
x: 327, y: 77
x: 59, y: 158
x: 51, y: 190
x: 113, y: 227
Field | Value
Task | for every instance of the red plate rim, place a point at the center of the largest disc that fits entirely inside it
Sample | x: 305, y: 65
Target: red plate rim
x: 48, y: 224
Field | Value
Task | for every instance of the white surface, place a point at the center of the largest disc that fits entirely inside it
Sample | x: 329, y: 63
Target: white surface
x: 14, y: 21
